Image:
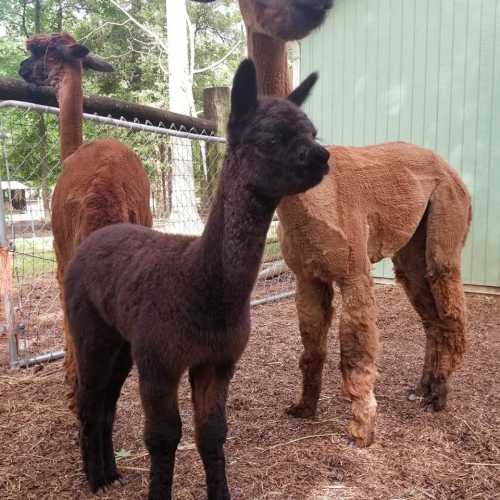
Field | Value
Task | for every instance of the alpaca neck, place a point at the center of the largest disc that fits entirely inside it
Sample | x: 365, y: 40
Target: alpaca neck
x: 270, y: 57
x: 234, y: 238
x: 70, y: 97
x: 271, y: 61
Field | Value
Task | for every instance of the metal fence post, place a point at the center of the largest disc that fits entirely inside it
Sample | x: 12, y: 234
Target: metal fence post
x: 6, y: 273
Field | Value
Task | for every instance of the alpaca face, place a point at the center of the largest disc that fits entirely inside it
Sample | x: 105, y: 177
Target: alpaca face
x: 284, y: 19
x: 51, y: 55
x: 273, y: 139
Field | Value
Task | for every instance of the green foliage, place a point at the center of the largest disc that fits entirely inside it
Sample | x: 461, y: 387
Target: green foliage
x: 139, y: 59
x: 24, y: 150
x: 11, y: 53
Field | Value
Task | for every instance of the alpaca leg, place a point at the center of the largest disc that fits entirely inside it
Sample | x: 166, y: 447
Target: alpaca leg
x: 448, y: 222
x: 314, y: 307
x: 209, y: 386
x: 412, y: 278
x: 97, y: 346
x: 69, y: 355
x: 69, y: 367
x: 163, y: 427
x: 437, y: 295
x: 358, y: 343
x: 121, y: 367
x: 410, y: 269
x: 448, y: 332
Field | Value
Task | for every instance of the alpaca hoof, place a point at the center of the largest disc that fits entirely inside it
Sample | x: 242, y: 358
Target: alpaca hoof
x: 301, y: 411
x: 362, y: 435
x: 97, y: 486
x: 113, y: 479
x: 423, y: 390
x: 435, y: 395
x: 361, y: 442
x: 102, y: 483
x: 434, y: 403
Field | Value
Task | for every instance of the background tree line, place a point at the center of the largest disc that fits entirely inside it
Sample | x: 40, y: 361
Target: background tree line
x: 133, y: 36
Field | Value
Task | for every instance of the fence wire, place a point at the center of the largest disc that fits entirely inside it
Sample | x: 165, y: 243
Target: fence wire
x: 182, y: 168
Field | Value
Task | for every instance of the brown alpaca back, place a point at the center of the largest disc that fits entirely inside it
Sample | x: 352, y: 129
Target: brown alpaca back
x: 372, y: 201
x: 102, y: 183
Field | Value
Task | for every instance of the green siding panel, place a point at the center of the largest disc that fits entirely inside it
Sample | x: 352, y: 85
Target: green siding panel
x: 426, y: 72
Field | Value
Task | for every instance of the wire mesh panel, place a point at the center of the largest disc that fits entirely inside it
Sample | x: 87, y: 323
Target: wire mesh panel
x: 182, y: 169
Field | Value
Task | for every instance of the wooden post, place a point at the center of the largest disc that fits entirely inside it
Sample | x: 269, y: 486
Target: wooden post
x: 215, y: 109
x: 8, y: 337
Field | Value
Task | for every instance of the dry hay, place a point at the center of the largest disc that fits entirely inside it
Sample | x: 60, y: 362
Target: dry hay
x: 417, y: 455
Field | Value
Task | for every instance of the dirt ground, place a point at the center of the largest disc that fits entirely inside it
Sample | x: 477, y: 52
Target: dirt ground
x: 417, y: 455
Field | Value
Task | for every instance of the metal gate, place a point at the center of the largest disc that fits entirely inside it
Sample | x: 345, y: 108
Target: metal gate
x: 182, y: 169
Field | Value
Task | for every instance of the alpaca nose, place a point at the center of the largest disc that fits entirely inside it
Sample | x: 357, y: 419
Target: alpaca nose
x: 24, y: 69
x: 323, y: 154
x: 320, y: 155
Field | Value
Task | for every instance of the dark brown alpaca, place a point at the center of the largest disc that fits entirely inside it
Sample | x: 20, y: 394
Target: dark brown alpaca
x: 174, y: 303
x: 102, y: 182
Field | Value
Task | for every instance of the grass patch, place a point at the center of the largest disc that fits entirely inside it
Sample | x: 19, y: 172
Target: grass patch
x: 33, y: 257
x: 272, y: 249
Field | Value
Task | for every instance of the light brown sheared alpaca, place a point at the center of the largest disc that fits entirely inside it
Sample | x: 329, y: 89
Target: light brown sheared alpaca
x: 391, y: 200
x: 103, y: 182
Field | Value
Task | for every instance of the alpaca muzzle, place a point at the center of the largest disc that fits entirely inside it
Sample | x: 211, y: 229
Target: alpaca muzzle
x: 25, y: 69
x: 319, y: 157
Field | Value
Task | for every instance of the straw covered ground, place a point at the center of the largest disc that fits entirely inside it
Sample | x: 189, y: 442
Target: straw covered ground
x: 417, y: 455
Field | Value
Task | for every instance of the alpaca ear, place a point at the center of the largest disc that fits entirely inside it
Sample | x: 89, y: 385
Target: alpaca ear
x: 244, y: 92
x: 97, y: 64
x: 301, y: 93
x: 73, y: 51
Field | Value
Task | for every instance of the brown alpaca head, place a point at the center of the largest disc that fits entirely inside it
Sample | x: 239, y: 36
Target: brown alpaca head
x: 273, y: 139
x: 284, y: 19
x: 52, y: 54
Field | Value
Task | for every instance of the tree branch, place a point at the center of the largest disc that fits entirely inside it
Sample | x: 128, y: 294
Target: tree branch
x: 220, y: 61
x: 144, y: 28
x: 101, y: 27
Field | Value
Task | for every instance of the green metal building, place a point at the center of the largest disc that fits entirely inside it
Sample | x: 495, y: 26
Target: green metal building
x: 426, y: 72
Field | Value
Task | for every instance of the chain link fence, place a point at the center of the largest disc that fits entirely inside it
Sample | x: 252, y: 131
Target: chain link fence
x: 182, y: 168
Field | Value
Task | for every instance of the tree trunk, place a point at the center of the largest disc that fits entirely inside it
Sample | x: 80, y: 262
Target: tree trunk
x: 18, y: 90
x: 38, y: 17
x: 135, y: 44
x: 184, y: 217
x: 59, y: 19
x: 42, y: 133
